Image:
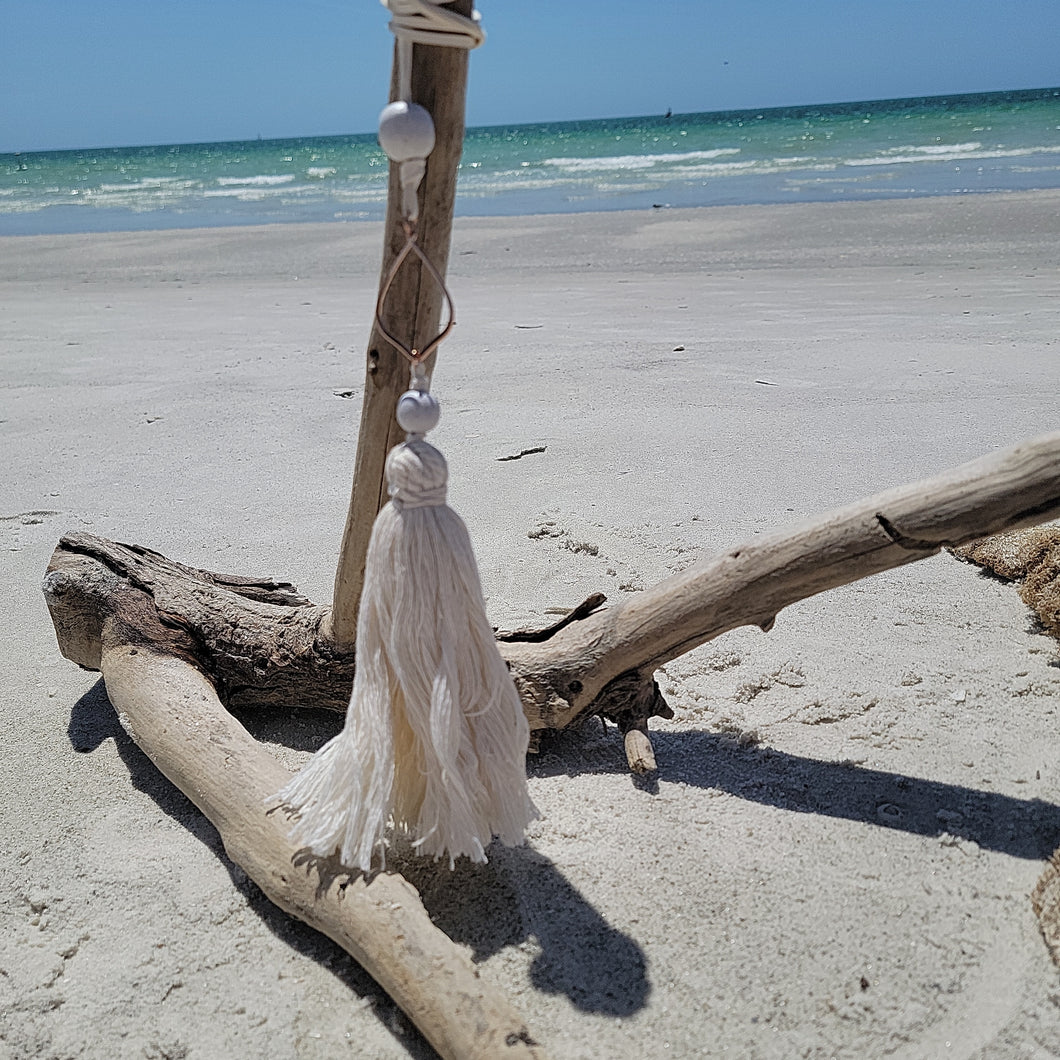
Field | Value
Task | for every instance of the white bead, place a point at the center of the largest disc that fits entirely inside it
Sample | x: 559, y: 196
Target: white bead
x: 418, y: 412
x: 406, y: 131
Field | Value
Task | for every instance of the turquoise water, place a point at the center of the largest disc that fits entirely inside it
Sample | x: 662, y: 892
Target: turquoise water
x: 999, y: 141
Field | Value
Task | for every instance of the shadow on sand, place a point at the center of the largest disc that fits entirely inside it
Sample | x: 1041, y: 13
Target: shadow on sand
x: 520, y: 898
x: 517, y: 897
x: 1022, y: 828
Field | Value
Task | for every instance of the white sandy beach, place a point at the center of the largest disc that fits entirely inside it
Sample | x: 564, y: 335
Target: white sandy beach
x: 850, y: 811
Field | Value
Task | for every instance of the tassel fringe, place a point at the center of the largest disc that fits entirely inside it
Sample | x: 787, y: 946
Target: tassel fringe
x: 435, y: 738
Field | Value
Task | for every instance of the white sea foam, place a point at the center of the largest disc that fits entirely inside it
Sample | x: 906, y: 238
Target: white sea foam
x: 263, y: 180
x: 151, y: 184
x: 954, y: 153
x: 516, y: 180
x: 635, y: 161
x: 258, y: 192
x: 942, y: 149
x: 320, y: 172
x: 716, y: 168
x: 797, y: 182
x: 605, y: 180
x: 620, y: 189
x: 361, y: 194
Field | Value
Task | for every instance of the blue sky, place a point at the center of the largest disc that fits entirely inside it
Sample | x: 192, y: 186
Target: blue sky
x: 118, y: 72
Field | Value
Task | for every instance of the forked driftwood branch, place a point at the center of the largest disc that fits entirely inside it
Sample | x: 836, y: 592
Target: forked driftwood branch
x: 177, y: 645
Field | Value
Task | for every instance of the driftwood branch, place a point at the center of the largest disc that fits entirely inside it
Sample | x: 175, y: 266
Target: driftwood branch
x: 577, y: 670
x: 171, y: 710
x: 276, y: 652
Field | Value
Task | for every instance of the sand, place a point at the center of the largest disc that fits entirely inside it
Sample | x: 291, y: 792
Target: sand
x: 850, y: 811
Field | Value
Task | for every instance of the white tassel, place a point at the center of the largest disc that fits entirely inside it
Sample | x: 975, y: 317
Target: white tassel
x: 435, y: 738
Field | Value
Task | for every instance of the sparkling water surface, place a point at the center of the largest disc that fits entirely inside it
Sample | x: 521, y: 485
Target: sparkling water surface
x: 947, y: 145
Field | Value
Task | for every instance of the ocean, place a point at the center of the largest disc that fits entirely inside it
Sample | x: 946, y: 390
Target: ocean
x: 940, y: 145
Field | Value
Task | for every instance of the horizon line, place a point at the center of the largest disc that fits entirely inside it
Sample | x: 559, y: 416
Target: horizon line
x: 796, y: 107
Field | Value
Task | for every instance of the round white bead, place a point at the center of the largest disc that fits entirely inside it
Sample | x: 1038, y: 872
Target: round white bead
x: 406, y: 131
x: 418, y: 412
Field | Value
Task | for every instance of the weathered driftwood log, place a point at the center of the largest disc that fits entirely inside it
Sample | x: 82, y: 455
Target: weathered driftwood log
x: 262, y: 645
x: 171, y: 710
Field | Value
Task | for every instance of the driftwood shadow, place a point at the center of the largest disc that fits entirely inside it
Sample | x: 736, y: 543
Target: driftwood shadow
x: 93, y: 721
x: 521, y: 897
x: 1022, y: 828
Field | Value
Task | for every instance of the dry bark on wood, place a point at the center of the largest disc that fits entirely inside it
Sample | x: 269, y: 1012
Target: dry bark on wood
x: 171, y: 710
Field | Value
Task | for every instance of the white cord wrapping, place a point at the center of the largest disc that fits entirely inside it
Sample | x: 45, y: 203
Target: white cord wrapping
x: 422, y: 22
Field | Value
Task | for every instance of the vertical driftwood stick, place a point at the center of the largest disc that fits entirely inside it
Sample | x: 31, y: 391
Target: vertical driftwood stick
x: 413, y: 310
